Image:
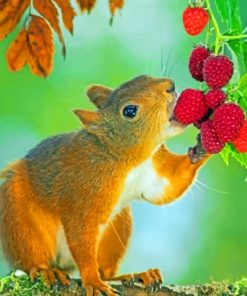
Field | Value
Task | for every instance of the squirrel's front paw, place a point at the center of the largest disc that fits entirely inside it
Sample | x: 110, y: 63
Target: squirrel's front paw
x: 98, y: 287
x: 197, y: 152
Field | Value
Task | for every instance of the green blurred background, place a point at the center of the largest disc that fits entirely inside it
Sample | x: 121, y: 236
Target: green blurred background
x: 201, y: 236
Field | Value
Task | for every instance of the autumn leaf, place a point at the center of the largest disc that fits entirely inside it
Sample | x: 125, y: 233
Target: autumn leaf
x: 3, y: 4
x: 86, y: 5
x: 41, y: 47
x: 17, y: 53
x: 115, y: 4
x: 49, y: 11
x: 68, y: 13
x: 10, y: 13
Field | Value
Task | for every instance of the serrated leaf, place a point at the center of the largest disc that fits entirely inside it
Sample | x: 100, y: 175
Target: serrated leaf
x: 17, y: 53
x: 236, y: 74
x: 41, y: 47
x: 225, y: 153
x: 244, y: 53
x: 228, y: 151
x: 68, y: 13
x: 49, y: 11
x: 230, y: 14
x: 115, y: 4
x: 86, y: 5
x: 10, y: 15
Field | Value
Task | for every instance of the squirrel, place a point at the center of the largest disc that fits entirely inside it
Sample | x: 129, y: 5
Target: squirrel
x: 66, y: 204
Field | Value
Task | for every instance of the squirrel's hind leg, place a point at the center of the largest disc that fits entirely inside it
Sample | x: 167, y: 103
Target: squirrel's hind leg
x: 112, y: 248
x: 114, y: 243
x: 28, y: 233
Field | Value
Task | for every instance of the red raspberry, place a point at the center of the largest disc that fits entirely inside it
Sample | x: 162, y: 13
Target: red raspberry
x: 196, y: 62
x: 217, y: 71
x: 240, y: 142
x: 227, y: 121
x: 203, y: 119
x: 195, y: 20
x: 214, y: 98
x: 190, y: 106
x: 210, y: 141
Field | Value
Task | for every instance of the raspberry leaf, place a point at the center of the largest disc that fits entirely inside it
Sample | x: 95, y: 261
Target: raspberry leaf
x: 230, y: 151
x: 230, y: 14
x: 236, y: 74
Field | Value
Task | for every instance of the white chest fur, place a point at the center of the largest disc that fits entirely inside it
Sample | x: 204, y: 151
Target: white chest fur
x: 142, y: 183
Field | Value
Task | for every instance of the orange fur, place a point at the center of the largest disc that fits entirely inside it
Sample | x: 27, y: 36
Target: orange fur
x: 178, y: 170
x: 75, y: 181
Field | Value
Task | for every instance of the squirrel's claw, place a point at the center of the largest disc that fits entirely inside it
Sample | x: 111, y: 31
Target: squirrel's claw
x: 105, y: 290
x: 151, y: 279
x: 197, y: 152
x: 50, y: 276
x: 128, y: 283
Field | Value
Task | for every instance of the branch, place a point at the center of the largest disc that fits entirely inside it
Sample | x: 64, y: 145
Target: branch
x: 76, y: 289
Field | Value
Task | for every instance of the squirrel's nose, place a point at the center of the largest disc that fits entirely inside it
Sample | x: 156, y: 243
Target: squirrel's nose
x: 171, y: 87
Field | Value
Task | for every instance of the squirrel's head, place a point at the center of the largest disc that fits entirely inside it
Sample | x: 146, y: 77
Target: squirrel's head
x: 135, y: 115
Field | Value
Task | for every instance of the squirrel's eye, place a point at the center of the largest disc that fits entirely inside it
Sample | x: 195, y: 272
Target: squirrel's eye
x: 130, y: 111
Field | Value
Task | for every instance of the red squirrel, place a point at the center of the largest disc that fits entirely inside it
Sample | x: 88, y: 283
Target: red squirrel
x: 66, y: 204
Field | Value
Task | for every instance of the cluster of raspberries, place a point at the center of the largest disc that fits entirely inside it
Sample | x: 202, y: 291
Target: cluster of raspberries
x: 219, y: 122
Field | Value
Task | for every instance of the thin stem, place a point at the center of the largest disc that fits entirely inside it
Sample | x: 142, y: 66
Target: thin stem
x: 216, y: 27
x: 242, y: 36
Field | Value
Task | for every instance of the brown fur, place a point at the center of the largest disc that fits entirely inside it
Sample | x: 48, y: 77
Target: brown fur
x: 75, y: 180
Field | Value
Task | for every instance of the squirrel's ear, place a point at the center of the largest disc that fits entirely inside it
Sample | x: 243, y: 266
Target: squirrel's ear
x: 98, y: 94
x: 87, y: 117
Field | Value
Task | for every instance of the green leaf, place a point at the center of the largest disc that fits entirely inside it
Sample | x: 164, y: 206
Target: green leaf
x: 242, y: 82
x: 225, y: 153
x: 229, y: 150
x: 236, y: 74
x: 244, y: 53
x: 230, y: 14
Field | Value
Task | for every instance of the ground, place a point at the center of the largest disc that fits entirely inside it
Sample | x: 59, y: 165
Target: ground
x: 20, y: 284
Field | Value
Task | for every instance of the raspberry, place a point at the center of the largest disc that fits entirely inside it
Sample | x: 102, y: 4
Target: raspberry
x: 227, y: 121
x: 217, y: 71
x: 195, y: 19
x: 190, y: 106
x: 203, y: 119
x: 240, y: 142
x: 214, y: 98
x: 196, y: 62
x: 210, y: 141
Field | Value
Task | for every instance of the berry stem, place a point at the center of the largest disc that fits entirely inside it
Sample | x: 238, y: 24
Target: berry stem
x: 216, y: 27
x: 226, y: 37
x: 219, y: 37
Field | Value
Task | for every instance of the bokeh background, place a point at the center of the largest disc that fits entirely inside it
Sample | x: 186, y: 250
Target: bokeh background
x: 203, y: 235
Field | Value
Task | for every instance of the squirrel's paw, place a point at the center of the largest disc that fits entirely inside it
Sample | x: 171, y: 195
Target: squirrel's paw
x: 100, y: 288
x: 150, y: 279
x: 50, y: 276
x: 104, y: 290
x: 198, y: 152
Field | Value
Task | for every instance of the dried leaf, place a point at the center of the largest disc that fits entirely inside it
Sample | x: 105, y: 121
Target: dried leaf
x: 3, y: 3
x: 68, y: 13
x: 115, y: 4
x: 17, y: 53
x: 41, y: 47
x: 49, y: 11
x: 10, y: 14
x: 86, y: 5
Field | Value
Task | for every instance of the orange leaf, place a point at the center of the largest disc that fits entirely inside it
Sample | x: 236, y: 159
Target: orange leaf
x: 68, y: 13
x: 86, y: 5
x: 115, y: 4
x: 49, y: 11
x: 3, y: 4
x: 41, y: 47
x: 17, y: 53
x: 10, y: 13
